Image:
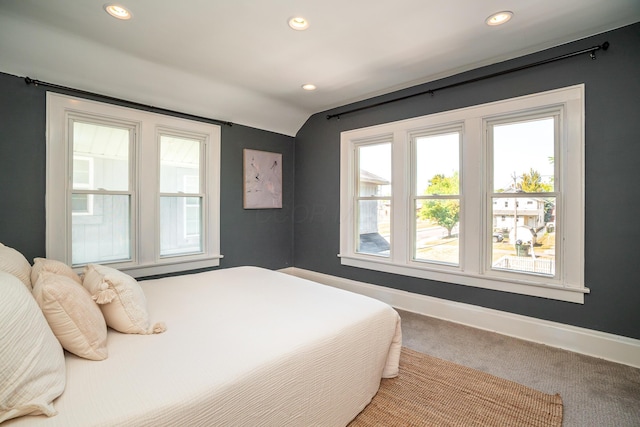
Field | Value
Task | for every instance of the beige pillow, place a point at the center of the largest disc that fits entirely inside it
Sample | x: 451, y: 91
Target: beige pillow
x: 33, y: 370
x: 13, y: 262
x: 74, y: 318
x: 43, y: 264
x: 121, y: 300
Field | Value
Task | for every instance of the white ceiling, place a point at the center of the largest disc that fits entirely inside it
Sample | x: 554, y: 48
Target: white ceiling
x: 237, y: 60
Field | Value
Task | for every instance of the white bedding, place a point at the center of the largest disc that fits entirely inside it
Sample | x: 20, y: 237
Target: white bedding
x: 244, y: 347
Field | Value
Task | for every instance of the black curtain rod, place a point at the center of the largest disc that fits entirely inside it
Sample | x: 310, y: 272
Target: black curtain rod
x: 592, y: 53
x: 30, y: 81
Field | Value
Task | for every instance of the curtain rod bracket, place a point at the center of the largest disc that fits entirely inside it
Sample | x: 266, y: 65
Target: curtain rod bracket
x: 603, y: 46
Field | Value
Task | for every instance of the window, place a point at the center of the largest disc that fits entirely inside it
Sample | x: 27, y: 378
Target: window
x: 488, y: 196
x: 100, y: 170
x: 180, y: 196
x: 373, y: 200
x: 523, y: 151
x: 143, y: 188
x: 436, y: 196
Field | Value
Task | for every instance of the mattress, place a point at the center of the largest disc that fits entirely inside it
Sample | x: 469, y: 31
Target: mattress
x: 244, y: 346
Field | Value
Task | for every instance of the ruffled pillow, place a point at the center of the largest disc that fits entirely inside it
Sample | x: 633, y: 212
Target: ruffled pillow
x: 121, y: 300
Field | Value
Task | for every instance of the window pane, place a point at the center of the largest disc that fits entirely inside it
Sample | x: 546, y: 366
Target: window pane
x: 101, y: 157
x: 524, y: 237
x: 82, y: 172
x: 374, y: 225
x: 81, y: 203
x: 179, y: 165
x: 437, y: 231
x: 101, y: 234
x: 438, y: 164
x: 523, y: 156
x: 374, y: 178
x: 180, y: 225
x: 192, y: 216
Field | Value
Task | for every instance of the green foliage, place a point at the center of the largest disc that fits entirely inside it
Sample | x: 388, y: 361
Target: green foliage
x: 532, y: 183
x: 445, y: 213
x: 441, y: 184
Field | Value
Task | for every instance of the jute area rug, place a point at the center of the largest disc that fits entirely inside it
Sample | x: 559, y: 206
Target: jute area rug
x: 434, y: 392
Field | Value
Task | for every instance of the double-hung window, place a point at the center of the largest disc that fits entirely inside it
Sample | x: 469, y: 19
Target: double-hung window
x: 181, y: 200
x: 489, y: 196
x: 373, y: 199
x: 435, y: 188
x: 136, y: 190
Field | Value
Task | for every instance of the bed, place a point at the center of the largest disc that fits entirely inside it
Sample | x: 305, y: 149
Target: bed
x: 243, y: 346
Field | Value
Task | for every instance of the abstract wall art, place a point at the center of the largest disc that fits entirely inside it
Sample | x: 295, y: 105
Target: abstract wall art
x: 262, y: 179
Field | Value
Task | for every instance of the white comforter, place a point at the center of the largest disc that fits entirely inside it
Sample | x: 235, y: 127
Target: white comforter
x: 244, y: 347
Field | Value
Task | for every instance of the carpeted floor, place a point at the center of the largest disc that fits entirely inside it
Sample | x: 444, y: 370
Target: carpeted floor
x: 595, y: 392
x: 434, y: 392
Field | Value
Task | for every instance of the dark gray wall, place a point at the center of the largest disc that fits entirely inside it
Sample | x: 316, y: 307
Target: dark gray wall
x: 612, y: 259
x: 248, y: 237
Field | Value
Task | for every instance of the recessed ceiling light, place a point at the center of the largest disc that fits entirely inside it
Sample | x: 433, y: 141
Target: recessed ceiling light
x: 499, y: 18
x: 309, y: 86
x: 117, y: 11
x: 298, y: 23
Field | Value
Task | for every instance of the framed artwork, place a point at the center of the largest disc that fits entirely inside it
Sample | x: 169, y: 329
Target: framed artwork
x: 262, y: 179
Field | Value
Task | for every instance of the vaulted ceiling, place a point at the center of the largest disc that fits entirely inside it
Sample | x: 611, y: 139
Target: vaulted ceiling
x: 239, y: 61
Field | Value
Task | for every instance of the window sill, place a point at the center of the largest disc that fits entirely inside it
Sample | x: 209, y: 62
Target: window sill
x: 573, y: 294
x: 164, y: 267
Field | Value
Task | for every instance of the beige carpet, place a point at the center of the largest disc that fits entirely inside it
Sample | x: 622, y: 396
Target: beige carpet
x: 434, y: 392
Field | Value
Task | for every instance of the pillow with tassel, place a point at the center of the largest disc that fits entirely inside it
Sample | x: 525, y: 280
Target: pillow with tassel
x: 121, y: 300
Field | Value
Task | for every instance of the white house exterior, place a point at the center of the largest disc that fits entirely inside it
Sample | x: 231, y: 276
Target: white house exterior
x: 521, y: 212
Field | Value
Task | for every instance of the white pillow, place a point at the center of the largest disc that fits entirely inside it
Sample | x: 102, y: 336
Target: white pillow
x: 121, y: 300
x: 41, y: 265
x: 15, y: 263
x: 74, y: 318
x: 33, y: 369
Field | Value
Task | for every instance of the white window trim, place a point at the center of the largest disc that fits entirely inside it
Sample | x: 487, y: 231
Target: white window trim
x: 145, y: 260
x: 203, y: 172
x: 412, y: 138
x: 473, y: 270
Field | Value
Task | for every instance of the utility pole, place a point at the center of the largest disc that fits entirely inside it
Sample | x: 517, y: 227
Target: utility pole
x: 515, y: 207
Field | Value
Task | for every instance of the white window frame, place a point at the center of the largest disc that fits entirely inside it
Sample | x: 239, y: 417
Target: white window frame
x: 413, y: 137
x: 201, y: 179
x: 475, y: 218
x: 145, y: 254
x: 360, y: 198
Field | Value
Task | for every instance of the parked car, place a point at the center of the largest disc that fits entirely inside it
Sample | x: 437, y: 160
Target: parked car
x: 498, y: 237
x: 526, y: 235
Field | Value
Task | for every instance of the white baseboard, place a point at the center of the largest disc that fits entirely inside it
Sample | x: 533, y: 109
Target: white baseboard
x: 602, y: 345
